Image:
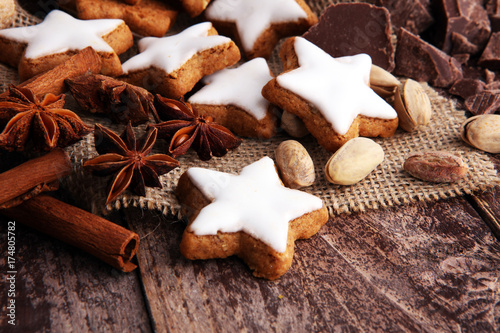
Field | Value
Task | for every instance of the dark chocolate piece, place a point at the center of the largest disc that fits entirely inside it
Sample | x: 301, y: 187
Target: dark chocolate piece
x: 467, y: 18
x: 353, y: 28
x: 421, y: 61
x: 495, y: 22
x: 486, y: 102
x: 413, y: 15
x: 491, y: 54
x: 461, y: 45
x: 467, y: 87
x: 492, y: 7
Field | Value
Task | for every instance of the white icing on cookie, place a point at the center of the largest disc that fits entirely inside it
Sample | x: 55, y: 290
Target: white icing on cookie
x: 254, y: 202
x: 240, y: 87
x: 60, y: 32
x: 171, y: 52
x: 337, y: 87
x: 253, y: 17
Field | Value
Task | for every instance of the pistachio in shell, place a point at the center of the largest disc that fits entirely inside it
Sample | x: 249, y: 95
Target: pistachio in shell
x: 383, y: 82
x: 413, y: 105
x: 295, y: 165
x: 293, y: 125
x: 355, y: 160
x: 482, y: 132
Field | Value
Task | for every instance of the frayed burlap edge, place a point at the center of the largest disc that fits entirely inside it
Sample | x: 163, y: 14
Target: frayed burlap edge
x: 388, y: 185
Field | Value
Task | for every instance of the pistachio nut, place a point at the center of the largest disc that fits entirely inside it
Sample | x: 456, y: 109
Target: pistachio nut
x: 383, y: 82
x: 356, y: 159
x: 293, y: 125
x: 294, y: 164
x: 413, y: 105
x: 482, y: 132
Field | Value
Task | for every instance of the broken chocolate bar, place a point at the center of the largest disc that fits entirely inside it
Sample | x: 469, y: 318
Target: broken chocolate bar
x: 467, y: 87
x: 486, y: 102
x: 413, y: 15
x: 353, y: 28
x: 421, y: 61
x: 491, y: 54
x: 466, y: 18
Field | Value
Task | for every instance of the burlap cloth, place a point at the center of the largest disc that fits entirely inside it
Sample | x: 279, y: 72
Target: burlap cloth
x: 388, y: 185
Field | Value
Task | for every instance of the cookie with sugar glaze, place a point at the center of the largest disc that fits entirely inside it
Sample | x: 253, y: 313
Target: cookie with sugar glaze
x: 38, y: 48
x: 194, y: 7
x: 147, y: 18
x: 233, y: 98
x: 330, y: 95
x: 250, y: 215
x: 172, y: 65
x: 258, y: 25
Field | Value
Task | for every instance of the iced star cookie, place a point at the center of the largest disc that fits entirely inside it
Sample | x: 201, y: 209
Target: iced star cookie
x: 233, y: 98
x: 258, y: 25
x: 194, y: 7
x: 171, y: 66
x: 330, y: 95
x: 147, y: 18
x: 251, y: 215
x: 38, y: 48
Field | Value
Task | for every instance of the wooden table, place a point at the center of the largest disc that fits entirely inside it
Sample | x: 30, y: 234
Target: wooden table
x: 426, y: 267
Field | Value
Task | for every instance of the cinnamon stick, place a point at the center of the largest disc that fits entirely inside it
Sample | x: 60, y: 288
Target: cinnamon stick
x: 105, y: 240
x: 52, y: 81
x: 33, y: 177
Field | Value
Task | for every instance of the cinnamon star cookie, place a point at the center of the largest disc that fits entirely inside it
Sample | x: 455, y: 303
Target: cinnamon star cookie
x: 172, y: 65
x: 251, y: 215
x: 147, y: 18
x: 38, y: 48
x: 258, y: 25
x: 330, y: 95
x: 233, y: 98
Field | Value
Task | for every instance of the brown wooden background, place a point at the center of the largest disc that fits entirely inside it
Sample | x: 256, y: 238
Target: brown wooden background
x: 425, y: 267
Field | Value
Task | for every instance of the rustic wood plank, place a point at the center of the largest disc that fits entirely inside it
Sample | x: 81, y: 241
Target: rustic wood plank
x: 424, y: 267
x: 488, y: 206
x: 62, y: 289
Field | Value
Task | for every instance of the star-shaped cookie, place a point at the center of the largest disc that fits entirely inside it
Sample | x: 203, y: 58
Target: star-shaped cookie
x: 233, y: 98
x: 251, y: 215
x: 258, y: 25
x: 146, y: 18
x: 38, y: 48
x: 172, y: 65
x: 330, y: 95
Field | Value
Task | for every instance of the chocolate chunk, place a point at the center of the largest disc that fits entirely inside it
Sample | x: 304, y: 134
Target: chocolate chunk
x: 486, y: 102
x: 421, y: 61
x: 495, y: 22
x: 461, y: 45
x: 492, y: 7
x: 491, y: 54
x: 413, y: 15
x: 353, y: 28
x: 466, y: 87
x: 467, y: 18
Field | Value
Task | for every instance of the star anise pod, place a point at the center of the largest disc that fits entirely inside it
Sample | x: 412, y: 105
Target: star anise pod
x: 184, y: 128
x: 129, y: 158
x: 45, y: 122
x: 120, y: 101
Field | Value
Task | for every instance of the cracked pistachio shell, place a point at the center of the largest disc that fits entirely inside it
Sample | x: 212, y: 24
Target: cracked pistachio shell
x: 482, y: 132
x: 383, y: 82
x: 355, y: 160
x: 413, y: 105
x: 295, y: 165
